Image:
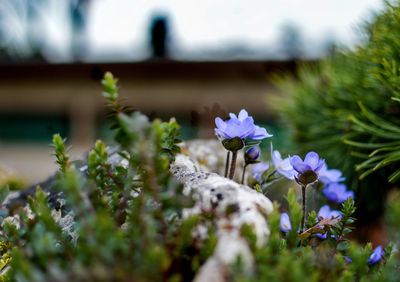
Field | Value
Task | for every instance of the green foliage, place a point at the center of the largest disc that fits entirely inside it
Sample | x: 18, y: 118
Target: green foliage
x: 125, y: 215
x: 346, y: 107
x: 378, y: 155
x: 60, y: 152
x: 119, y: 218
x: 392, y: 217
x: 295, y: 218
x: 312, y: 259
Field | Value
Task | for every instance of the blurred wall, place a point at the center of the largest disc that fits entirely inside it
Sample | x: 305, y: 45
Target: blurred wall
x: 39, y: 100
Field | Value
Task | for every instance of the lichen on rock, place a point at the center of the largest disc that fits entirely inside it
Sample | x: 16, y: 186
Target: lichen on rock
x: 233, y: 205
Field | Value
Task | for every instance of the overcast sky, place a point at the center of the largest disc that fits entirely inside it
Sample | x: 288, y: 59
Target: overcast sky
x: 119, y: 28
x: 212, y: 24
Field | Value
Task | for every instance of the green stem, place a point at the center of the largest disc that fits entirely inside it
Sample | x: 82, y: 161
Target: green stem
x: 227, y: 164
x: 303, y: 218
x: 244, y: 172
x: 233, y: 165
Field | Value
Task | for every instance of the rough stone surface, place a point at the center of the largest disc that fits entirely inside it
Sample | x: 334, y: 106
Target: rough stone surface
x: 217, y: 194
x: 210, y: 156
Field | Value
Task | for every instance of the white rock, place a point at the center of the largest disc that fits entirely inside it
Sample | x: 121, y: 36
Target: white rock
x: 216, y: 194
x: 230, y: 247
x: 210, y: 156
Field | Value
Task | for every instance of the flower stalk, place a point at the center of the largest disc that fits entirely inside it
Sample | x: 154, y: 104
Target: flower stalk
x: 303, y: 217
x: 233, y: 165
x: 307, y: 173
x: 244, y: 172
x: 228, y: 154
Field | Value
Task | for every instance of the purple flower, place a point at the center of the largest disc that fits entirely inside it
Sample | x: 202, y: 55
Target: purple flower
x: 311, y: 162
x: 376, y: 255
x: 327, y: 176
x: 241, y: 126
x: 308, y: 169
x: 322, y: 236
x: 337, y: 192
x: 257, y: 170
x: 252, y: 154
x: 283, y: 166
x: 347, y: 259
x: 326, y: 212
x: 285, y: 224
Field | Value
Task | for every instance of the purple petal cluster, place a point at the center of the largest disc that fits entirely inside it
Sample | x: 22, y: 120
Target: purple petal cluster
x: 257, y: 170
x: 326, y: 212
x: 347, y: 259
x: 333, y: 190
x: 283, y: 166
x: 241, y: 126
x: 328, y: 176
x: 284, y: 223
x: 311, y: 162
x: 337, y: 192
x: 376, y: 255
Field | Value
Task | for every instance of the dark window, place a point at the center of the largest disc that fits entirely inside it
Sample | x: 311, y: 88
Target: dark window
x: 32, y: 127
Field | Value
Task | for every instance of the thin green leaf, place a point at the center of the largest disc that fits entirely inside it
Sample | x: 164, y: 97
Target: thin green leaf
x: 385, y: 149
x: 366, y: 128
x: 370, y: 145
x: 379, y: 121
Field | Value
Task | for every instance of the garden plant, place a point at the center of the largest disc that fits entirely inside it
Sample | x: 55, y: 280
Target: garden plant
x: 149, y: 206
x: 121, y: 214
x: 349, y: 108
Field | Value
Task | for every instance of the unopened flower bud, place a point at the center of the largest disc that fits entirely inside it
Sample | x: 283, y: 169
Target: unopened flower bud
x: 252, y: 154
x: 376, y: 255
x: 284, y: 223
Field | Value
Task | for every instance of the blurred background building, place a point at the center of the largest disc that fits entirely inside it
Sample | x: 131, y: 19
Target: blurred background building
x: 188, y: 59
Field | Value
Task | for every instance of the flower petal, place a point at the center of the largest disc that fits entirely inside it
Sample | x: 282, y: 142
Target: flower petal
x: 376, y: 255
x: 284, y: 223
x: 289, y: 174
x: 327, y: 176
x: 220, y: 123
x: 247, y: 128
x: 322, y: 236
x: 276, y: 158
x: 243, y: 115
x: 220, y: 133
x: 298, y: 164
x: 335, y: 213
x: 321, y: 163
x: 312, y: 159
x: 260, y: 133
x: 257, y: 170
x: 232, y: 116
x: 324, y: 211
x: 337, y: 192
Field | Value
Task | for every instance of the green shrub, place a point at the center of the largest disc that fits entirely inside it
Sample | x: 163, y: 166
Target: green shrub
x: 347, y: 109
x: 127, y: 224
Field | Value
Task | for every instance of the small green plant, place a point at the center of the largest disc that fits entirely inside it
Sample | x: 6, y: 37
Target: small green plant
x: 124, y: 215
x: 293, y: 256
